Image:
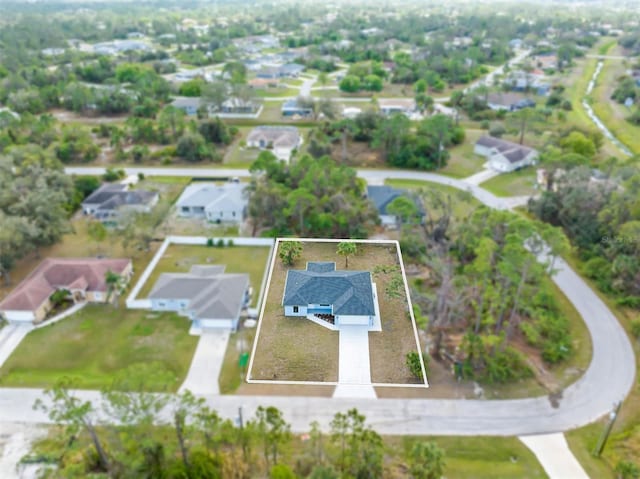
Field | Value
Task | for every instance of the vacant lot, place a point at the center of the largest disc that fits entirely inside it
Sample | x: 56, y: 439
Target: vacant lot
x: 295, y: 349
x: 463, y: 161
x: 237, y: 259
x: 98, y: 345
x: 516, y: 183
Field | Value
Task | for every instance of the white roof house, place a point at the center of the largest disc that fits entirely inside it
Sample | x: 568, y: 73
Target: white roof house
x: 505, y: 156
x: 218, y: 203
x: 281, y: 140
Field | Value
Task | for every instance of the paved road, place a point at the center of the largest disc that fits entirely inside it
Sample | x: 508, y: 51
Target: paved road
x: 608, y: 378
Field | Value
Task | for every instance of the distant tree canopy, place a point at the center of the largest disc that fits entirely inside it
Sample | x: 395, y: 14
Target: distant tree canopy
x: 311, y: 197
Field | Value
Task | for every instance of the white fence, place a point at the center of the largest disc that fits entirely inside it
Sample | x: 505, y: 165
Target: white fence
x: 143, y: 303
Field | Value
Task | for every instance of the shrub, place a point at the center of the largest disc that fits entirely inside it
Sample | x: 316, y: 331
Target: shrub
x: 414, y: 365
x: 220, y: 243
x: 497, y: 130
x: 229, y: 242
x: 635, y: 328
x: 210, y: 242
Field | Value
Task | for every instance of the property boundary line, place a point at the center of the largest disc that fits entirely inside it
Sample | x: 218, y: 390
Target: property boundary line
x: 249, y: 380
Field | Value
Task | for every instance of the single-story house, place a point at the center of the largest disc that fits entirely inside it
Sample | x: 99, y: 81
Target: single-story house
x: 382, y: 196
x: 263, y: 83
x: 84, y: 279
x: 505, y: 156
x: 189, y: 105
x: 218, y: 203
x: 351, y: 112
x: 237, y: 105
x: 293, y: 108
x: 341, y: 297
x: 509, y: 101
x: 281, y: 140
x: 391, y: 106
x: 108, y: 201
x: 206, y: 295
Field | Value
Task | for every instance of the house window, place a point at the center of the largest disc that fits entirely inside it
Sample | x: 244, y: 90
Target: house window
x: 233, y: 213
x: 161, y: 304
x: 295, y: 309
x: 185, y: 209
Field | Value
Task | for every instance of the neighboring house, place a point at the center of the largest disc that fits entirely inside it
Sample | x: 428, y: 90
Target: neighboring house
x: 546, y: 62
x: 523, y: 81
x: 293, y: 108
x: 505, y: 156
x: 225, y: 203
x: 206, y: 295
x: 263, y: 83
x: 509, y: 101
x: 351, y: 112
x: 281, y: 140
x: 83, y: 278
x: 404, y: 106
x: 340, y: 297
x: 288, y: 70
x: 237, y: 105
x: 382, y: 196
x: 189, y: 105
x: 110, y: 200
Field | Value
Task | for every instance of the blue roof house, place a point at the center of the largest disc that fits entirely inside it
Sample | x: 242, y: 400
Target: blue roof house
x: 326, y: 295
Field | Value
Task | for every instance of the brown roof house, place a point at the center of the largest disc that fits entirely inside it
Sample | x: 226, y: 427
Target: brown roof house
x: 83, y: 278
x: 505, y: 156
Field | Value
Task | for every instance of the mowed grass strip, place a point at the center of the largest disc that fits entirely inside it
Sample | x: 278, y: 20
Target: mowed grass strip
x: 251, y: 260
x: 98, y: 344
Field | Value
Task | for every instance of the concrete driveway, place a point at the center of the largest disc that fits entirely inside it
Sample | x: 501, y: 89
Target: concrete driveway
x: 202, y: 377
x: 354, y: 366
x: 10, y: 337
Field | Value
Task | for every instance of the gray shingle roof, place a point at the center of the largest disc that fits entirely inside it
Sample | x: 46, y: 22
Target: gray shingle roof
x: 381, y: 196
x: 211, y: 293
x: 349, y: 292
x: 208, y: 195
x: 513, y: 152
x: 112, y: 196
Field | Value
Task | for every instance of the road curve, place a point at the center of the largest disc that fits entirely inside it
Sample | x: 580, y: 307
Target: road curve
x: 608, y: 379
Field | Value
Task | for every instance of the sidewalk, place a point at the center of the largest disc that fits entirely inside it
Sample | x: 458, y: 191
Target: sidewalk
x: 555, y: 456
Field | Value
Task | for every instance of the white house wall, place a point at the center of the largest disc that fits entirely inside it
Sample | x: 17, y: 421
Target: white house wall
x: 288, y: 311
x: 353, y: 320
x: 20, y: 316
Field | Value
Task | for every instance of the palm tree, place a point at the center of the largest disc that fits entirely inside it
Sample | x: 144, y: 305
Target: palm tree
x: 346, y: 249
x: 113, y: 281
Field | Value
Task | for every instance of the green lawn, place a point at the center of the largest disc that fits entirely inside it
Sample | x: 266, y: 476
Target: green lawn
x: 517, y: 183
x: 479, y: 457
x: 237, y: 259
x: 462, y: 161
x: 275, y: 92
x: 231, y: 374
x: 99, y: 343
x: 612, y: 114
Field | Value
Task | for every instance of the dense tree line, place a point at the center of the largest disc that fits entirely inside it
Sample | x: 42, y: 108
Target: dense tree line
x: 35, y: 195
x: 485, y: 286
x: 166, y: 437
x: 309, y: 198
x: 402, y: 145
x: 602, y: 219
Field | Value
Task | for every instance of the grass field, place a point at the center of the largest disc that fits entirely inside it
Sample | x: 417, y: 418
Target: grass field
x: 276, y: 92
x: 462, y: 161
x: 237, y: 259
x: 477, y: 457
x: 516, y: 183
x: 98, y: 344
x: 612, y: 114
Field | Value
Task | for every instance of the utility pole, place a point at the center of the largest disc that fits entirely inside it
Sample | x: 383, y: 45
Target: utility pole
x: 607, y: 431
